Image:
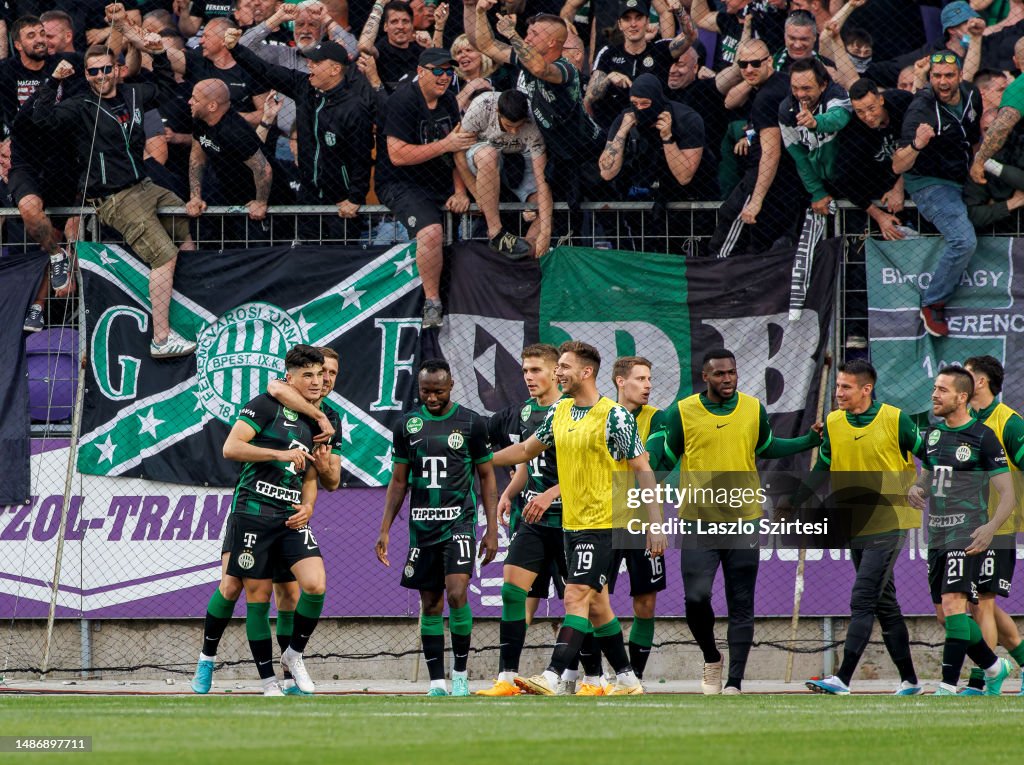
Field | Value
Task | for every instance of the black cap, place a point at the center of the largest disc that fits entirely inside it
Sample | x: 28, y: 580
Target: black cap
x: 329, y: 50
x: 436, y: 57
x: 625, y: 6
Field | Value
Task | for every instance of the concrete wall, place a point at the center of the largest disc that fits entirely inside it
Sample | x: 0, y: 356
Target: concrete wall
x: 389, y: 649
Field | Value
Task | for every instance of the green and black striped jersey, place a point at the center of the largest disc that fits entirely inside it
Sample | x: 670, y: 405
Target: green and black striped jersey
x: 961, y: 462
x: 271, y: 488
x: 441, y: 453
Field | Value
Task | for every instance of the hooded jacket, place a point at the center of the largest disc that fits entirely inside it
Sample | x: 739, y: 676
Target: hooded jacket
x: 335, y: 129
x: 948, y: 155
x: 116, y: 151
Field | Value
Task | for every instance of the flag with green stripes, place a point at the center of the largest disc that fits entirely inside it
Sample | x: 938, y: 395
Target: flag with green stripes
x: 167, y: 419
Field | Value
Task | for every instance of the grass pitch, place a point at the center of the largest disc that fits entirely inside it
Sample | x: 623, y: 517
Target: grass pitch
x: 653, y: 729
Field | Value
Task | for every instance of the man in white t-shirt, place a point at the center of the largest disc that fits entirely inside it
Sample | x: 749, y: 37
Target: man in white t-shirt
x: 502, y: 124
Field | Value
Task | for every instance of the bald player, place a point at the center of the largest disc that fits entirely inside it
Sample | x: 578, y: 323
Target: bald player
x: 221, y: 137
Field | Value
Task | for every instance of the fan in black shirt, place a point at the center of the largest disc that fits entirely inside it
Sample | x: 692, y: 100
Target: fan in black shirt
x: 397, y: 53
x: 760, y: 209
x: 232, y: 148
x: 42, y: 165
x: 864, y: 160
x: 701, y: 95
x: 617, y: 66
x: 216, y: 61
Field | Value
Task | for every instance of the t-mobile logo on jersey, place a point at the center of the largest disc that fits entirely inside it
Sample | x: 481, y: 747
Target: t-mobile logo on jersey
x: 436, y: 468
x: 942, y: 479
x: 249, y: 538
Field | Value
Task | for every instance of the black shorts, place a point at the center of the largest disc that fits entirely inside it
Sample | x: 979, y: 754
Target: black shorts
x: 646, y: 573
x: 413, y: 207
x: 588, y: 553
x: 953, y: 571
x: 26, y: 181
x: 257, y: 545
x: 996, y: 574
x: 282, y: 572
x: 539, y: 549
x: 426, y: 567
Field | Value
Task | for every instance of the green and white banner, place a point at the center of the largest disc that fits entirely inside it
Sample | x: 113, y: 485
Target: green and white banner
x: 167, y: 420
x: 984, y: 316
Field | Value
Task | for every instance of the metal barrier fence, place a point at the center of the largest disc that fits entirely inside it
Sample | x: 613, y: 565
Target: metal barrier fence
x: 147, y: 643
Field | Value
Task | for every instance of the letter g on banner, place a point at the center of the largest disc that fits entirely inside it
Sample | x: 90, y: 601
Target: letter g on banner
x: 127, y: 386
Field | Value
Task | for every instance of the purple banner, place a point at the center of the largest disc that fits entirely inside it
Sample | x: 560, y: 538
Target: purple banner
x: 139, y: 549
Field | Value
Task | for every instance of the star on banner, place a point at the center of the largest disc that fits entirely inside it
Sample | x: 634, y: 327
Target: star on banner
x: 405, y: 264
x: 351, y: 297
x: 107, y: 450
x: 148, y: 422
x: 385, y: 462
x: 346, y: 428
x: 305, y: 325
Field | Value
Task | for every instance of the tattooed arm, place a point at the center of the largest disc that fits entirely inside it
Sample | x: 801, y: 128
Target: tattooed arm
x: 995, y: 137
x: 368, y: 38
x: 483, y: 38
x: 262, y: 176
x: 196, y: 167
x: 529, y: 57
x: 596, y: 89
x: 611, y: 158
x: 687, y: 34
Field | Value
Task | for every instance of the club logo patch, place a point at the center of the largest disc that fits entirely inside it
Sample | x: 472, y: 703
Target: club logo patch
x: 933, y: 437
x: 240, y: 353
x: 455, y: 440
x: 246, y: 560
x: 525, y: 414
x: 963, y: 453
x: 289, y: 415
x: 330, y: 138
x: 414, y: 425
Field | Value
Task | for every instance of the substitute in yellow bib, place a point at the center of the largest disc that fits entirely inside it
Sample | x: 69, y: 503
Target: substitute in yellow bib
x: 997, y: 569
x: 721, y: 431
x: 868, y: 448
x: 632, y: 376
x: 594, y: 437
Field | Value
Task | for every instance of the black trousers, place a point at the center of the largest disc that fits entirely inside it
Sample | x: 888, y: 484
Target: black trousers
x: 739, y: 569
x: 874, y: 596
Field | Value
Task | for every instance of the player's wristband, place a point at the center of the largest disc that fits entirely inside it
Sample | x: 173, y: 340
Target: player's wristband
x: 913, y: 145
x: 266, y: 125
x: 667, y: 141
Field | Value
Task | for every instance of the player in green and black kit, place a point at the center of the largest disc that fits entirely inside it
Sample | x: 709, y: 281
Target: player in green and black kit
x: 273, y: 501
x: 326, y: 457
x: 963, y: 459
x: 435, y: 449
x: 537, y: 544
x: 996, y: 577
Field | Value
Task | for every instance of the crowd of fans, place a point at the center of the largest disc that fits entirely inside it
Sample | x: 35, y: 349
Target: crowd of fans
x: 425, y: 107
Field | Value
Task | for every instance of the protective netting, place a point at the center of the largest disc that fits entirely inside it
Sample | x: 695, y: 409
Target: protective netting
x: 232, y: 179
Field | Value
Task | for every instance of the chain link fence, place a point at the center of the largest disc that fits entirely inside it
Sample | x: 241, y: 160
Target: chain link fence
x: 403, y: 181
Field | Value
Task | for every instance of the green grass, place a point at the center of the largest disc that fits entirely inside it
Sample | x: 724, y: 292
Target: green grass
x: 653, y: 729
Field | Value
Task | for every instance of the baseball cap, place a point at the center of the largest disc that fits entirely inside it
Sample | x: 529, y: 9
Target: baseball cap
x: 957, y: 13
x: 625, y: 6
x: 436, y: 57
x: 328, y: 50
